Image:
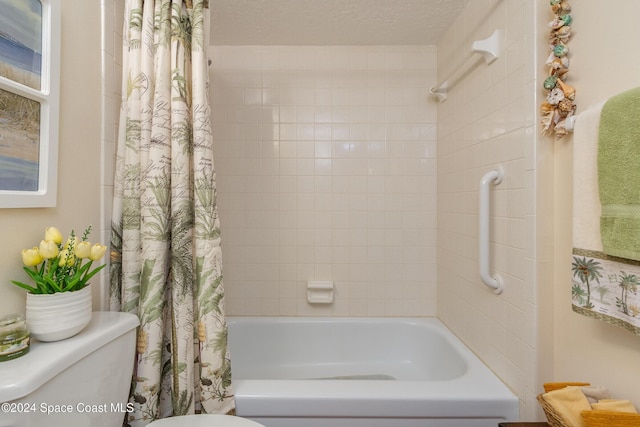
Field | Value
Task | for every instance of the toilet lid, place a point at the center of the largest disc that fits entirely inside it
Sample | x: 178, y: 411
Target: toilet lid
x: 207, y: 420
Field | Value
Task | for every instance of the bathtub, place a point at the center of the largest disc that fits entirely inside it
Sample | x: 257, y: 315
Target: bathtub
x: 361, y: 372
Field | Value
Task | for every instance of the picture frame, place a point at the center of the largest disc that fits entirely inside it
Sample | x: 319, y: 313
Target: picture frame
x: 29, y: 103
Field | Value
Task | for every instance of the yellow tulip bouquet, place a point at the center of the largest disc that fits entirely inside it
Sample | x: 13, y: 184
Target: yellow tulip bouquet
x: 55, y: 267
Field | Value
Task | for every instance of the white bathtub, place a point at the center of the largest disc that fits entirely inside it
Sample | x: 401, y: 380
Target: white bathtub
x: 361, y: 372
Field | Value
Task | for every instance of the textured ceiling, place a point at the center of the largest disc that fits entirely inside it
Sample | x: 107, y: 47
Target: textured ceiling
x: 331, y: 22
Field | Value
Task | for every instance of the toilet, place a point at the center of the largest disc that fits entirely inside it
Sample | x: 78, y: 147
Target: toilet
x: 82, y: 381
x: 205, y: 421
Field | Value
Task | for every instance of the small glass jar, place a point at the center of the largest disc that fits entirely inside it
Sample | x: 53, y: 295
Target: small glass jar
x: 14, y: 337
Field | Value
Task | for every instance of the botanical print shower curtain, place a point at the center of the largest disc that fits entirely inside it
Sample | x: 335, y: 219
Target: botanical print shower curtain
x: 166, y: 256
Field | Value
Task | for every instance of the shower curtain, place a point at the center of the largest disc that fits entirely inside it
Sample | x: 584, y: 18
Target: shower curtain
x: 166, y: 263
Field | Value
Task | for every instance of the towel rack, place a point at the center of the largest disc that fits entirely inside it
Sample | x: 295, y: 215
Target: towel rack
x: 494, y: 282
x: 488, y: 48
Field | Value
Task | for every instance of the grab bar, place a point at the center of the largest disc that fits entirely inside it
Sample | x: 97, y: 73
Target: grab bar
x: 494, y: 282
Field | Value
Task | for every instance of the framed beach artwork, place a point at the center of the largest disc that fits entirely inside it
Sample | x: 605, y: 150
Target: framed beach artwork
x: 29, y: 102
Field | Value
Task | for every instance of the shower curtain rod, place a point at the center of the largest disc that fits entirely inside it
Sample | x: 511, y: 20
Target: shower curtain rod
x: 488, y: 48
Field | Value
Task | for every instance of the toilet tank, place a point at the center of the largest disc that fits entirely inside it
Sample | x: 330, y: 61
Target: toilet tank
x: 82, y: 381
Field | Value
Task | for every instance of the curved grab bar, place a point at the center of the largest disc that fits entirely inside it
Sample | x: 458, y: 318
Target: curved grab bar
x: 494, y: 282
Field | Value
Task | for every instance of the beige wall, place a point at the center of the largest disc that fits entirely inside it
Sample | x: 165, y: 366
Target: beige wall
x: 112, y: 19
x: 79, y: 153
x: 605, y: 60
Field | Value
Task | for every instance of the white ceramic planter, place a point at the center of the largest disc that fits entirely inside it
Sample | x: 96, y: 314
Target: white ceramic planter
x: 55, y: 317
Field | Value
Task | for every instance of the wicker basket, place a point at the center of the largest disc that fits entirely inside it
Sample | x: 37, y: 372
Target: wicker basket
x: 553, y: 418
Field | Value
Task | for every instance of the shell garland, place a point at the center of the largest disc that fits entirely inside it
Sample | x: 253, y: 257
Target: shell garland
x: 559, y: 103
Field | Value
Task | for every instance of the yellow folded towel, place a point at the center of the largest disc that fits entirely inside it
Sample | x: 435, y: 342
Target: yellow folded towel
x: 616, y: 405
x: 557, y: 385
x: 568, y: 403
x: 610, y: 419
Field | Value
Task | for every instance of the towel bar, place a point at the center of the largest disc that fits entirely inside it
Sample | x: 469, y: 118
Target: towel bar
x: 489, y: 48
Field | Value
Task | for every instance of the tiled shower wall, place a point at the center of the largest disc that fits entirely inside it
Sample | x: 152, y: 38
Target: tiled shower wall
x: 326, y: 170
x: 489, y: 120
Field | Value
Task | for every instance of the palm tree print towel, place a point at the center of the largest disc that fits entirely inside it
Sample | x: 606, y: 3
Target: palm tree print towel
x: 606, y: 288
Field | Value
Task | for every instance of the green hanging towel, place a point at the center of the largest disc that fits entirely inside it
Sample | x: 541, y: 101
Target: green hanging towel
x: 619, y: 175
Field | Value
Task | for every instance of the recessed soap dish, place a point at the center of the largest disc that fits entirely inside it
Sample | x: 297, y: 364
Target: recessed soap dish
x: 320, y: 292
